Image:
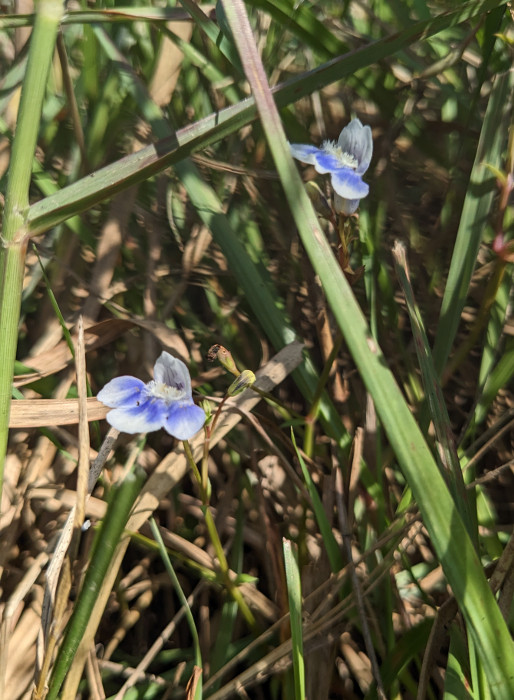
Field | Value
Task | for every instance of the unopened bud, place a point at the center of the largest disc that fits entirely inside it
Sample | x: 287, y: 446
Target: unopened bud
x: 224, y: 357
x: 245, y: 380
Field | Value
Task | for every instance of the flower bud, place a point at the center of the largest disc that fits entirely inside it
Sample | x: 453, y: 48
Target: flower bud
x: 245, y: 380
x: 224, y: 357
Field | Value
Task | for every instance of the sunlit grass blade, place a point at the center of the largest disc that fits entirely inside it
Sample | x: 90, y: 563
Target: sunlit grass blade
x: 294, y: 594
x: 14, y: 242
x: 440, y: 515
x: 110, y: 15
x: 108, y: 537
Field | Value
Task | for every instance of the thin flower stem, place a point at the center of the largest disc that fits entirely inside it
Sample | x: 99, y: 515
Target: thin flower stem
x: 192, y: 464
x: 214, y: 535
x: 208, y: 432
x: 311, y: 418
x: 224, y: 567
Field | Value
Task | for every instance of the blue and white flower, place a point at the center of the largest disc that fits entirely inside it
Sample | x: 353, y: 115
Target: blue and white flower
x: 346, y: 161
x: 165, y: 402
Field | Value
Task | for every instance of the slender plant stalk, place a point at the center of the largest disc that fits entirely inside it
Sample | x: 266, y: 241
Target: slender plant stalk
x: 215, y: 539
x: 14, y: 237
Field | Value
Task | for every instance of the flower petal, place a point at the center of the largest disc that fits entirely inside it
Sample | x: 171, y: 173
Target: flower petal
x: 348, y: 184
x: 184, y: 419
x: 326, y: 162
x: 345, y: 206
x: 149, y: 416
x: 122, y: 391
x: 357, y: 140
x: 304, y: 152
x: 173, y: 372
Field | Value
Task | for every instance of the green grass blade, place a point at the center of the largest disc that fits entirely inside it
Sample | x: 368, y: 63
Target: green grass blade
x: 333, y: 549
x: 14, y: 241
x: 450, y: 463
x: 183, y: 601
x: 500, y: 377
x: 476, y: 210
x: 108, y: 537
x: 294, y: 594
x: 299, y: 19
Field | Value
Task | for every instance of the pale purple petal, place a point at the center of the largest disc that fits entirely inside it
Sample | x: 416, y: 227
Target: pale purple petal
x: 122, y: 391
x: 357, y: 140
x: 304, y: 152
x: 184, y: 419
x: 348, y: 184
x: 148, y: 416
x: 326, y: 162
x: 173, y: 372
x: 345, y: 206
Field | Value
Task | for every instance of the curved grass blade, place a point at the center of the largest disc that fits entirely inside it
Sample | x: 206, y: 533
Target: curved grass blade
x: 450, y: 463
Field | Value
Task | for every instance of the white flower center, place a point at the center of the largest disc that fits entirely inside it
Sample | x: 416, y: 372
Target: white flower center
x: 346, y: 159
x: 167, y: 393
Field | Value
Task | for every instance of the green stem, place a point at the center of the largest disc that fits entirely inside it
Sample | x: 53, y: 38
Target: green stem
x: 215, y: 540
x: 14, y: 239
x: 311, y: 418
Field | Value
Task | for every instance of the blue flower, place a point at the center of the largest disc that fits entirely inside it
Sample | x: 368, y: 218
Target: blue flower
x: 346, y: 161
x: 165, y: 402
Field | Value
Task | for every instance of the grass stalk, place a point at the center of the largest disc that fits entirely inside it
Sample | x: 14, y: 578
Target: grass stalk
x: 14, y: 237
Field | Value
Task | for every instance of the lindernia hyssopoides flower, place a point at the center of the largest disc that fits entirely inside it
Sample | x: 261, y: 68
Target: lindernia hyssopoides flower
x: 346, y: 161
x: 165, y: 402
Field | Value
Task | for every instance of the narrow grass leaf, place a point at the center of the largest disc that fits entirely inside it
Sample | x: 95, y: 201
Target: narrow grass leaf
x: 499, y: 378
x: 475, y: 212
x: 14, y: 242
x: 294, y: 594
x: 120, y: 505
x: 451, y: 469
x: 183, y: 601
x: 333, y: 549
